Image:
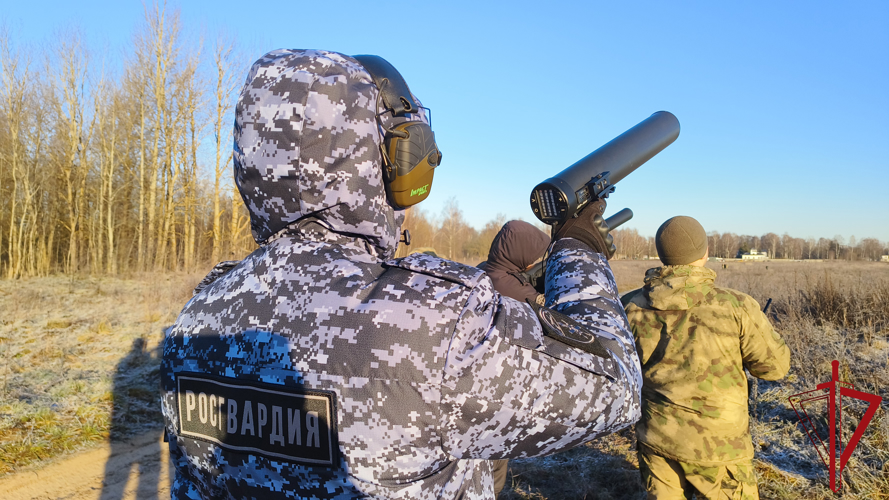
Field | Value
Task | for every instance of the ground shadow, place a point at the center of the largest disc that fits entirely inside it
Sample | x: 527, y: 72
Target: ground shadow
x: 135, y: 411
x: 600, y: 469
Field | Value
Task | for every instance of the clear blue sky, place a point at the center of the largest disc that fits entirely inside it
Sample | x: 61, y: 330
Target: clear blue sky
x: 784, y: 106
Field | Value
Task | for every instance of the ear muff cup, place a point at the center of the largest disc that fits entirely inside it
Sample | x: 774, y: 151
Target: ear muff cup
x: 410, y: 154
x: 413, y: 156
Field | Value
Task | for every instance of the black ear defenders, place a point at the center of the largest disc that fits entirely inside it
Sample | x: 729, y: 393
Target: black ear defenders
x: 410, y: 154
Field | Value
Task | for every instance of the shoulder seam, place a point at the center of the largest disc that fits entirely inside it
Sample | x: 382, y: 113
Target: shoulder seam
x: 448, y: 270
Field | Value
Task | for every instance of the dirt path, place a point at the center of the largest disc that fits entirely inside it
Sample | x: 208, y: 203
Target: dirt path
x: 138, y: 469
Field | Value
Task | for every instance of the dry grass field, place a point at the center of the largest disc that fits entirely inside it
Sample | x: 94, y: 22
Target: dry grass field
x: 79, y: 361
x: 79, y: 366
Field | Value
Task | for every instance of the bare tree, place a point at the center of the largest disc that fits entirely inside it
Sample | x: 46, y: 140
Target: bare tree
x: 226, y: 83
x: 73, y: 103
x: 713, y: 243
x: 22, y: 143
x: 136, y: 84
x: 453, y: 228
x: 771, y: 241
x: 630, y: 244
x: 162, y: 35
x: 192, y: 100
x: 870, y: 249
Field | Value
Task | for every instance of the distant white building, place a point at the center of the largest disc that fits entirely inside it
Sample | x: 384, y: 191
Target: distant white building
x: 884, y: 258
x: 755, y: 255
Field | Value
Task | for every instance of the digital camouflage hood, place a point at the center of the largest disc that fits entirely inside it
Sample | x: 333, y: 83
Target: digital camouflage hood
x: 307, y: 151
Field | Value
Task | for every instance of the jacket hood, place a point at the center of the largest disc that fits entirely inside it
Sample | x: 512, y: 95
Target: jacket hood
x: 306, y: 151
x: 516, y: 246
x: 677, y: 288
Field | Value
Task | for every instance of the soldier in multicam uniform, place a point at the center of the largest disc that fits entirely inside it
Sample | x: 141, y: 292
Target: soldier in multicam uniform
x: 695, y: 340
x: 318, y: 367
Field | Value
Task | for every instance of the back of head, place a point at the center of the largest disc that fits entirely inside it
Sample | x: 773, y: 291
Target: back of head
x: 517, y: 246
x: 680, y: 241
x: 307, y: 147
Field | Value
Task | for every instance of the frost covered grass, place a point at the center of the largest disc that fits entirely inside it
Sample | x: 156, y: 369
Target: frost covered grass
x: 79, y: 361
x: 825, y: 311
x: 605, y: 469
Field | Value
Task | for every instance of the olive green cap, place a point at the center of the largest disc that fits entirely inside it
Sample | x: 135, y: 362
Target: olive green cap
x: 681, y: 240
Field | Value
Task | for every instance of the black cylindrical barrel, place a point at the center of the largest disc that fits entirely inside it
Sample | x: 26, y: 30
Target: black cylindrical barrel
x: 619, y: 218
x: 562, y: 195
x: 626, y: 152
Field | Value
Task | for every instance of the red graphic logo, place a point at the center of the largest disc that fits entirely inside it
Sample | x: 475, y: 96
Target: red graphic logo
x: 833, y: 392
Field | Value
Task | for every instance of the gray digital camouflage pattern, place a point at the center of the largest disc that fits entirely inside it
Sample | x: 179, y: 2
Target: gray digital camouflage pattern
x: 217, y: 271
x: 422, y: 370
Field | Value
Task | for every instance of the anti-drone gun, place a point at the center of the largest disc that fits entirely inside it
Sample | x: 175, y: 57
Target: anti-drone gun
x: 562, y: 196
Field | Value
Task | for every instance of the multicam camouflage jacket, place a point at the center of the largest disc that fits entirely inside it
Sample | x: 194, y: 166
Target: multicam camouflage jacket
x: 318, y: 367
x: 694, y: 341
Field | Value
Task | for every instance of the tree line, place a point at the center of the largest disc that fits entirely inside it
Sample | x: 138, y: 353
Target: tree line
x: 728, y: 245
x: 630, y: 245
x: 106, y: 172
x: 450, y: 236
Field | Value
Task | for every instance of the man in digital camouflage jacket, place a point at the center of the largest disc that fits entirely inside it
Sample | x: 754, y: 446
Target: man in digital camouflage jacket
x: 318, y: 367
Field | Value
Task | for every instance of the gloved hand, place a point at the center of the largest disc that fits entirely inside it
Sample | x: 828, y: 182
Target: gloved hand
x: 590, y: 228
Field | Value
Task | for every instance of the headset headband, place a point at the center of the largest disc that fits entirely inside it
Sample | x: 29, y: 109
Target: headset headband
x: 393, y: 89
x: 409, y: 152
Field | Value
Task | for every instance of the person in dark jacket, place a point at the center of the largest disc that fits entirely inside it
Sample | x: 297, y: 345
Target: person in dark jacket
x: 516, y: 248
x: 320, y: 367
